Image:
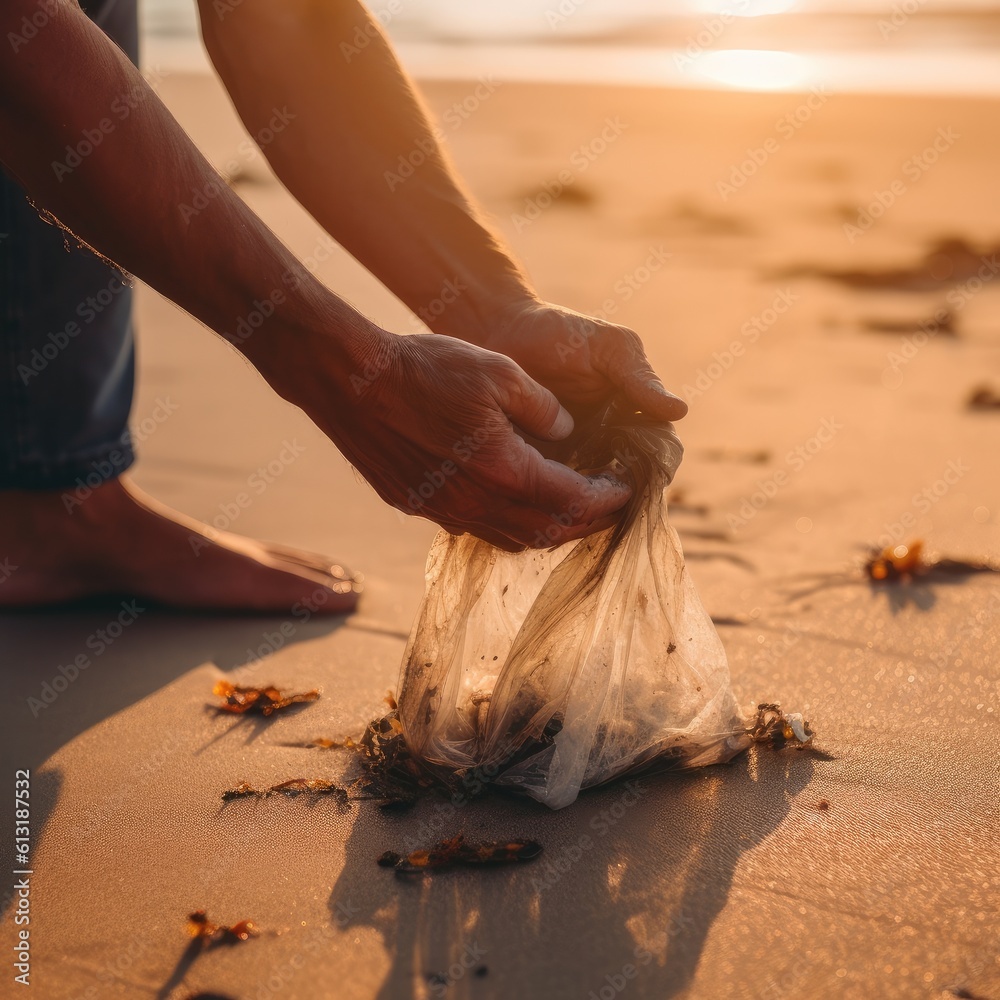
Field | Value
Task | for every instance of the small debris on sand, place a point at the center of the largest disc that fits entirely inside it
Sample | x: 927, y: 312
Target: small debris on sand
x: 778, y: 729
x: 293, y: 787
x: 944, y: 326
x: 211, y: 935
x: 264, y: 701
x: 752, y: 456
x: 904, y: 562
x: 322, y: 743
x: 983, y: 397
x: 455, y: 851
x: 949, y: 260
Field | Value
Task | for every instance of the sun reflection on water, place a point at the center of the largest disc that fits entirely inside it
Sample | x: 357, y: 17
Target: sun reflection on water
x: 756, y: 69
x: 743, y: 8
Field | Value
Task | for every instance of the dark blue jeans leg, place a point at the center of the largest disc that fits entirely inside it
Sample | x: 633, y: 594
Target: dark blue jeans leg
x: 67, y: 353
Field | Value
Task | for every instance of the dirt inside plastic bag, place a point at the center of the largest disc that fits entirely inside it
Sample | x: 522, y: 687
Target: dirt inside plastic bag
x: 550, y: 671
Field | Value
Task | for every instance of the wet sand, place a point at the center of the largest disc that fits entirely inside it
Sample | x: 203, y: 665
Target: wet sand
x: 828, y: 413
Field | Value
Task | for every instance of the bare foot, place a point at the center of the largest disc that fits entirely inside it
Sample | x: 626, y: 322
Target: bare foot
x: 121, y: 542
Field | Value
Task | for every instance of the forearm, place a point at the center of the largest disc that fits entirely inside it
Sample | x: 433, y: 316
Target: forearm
x: 129, y: 194
x: 356, y: 119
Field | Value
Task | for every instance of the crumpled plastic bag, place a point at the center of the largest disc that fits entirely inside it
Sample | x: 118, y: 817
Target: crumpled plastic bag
x: 548, y: 672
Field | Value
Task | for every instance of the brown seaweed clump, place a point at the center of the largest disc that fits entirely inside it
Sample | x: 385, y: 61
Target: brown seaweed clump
x: 264, y: 700
x: 904, y: 562
x: 210, y: 935
x: 456, y: 851
x: 291, y: 789
x: 779, y: 729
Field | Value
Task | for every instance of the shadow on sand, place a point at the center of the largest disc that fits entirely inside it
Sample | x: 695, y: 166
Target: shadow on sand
x: 50, y: 699
x: 634, y: 874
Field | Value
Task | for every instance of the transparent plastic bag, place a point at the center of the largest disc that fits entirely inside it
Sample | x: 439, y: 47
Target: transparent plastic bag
x: 548, y: 672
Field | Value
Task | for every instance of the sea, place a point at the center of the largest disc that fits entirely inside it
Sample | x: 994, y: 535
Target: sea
x: 878, y: 46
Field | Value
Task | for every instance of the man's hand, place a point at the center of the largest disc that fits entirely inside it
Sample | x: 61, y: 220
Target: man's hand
x: 430, y: 422
x: 356, y: 118
x: 583, y: 360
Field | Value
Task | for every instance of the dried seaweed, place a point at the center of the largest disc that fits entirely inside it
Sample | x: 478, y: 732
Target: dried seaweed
x: 263, y: 701
x: 210, y: 935
x: 949, y: 260
x: 292, y: 788
x: 945, y: 326
x: 983, y: 397
x: 904, y: 562
x: 776, y: 729
x: 324, y: 743
x: 456, y: 851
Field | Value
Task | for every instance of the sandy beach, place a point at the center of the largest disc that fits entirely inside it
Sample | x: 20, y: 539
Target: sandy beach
x: 815, y: 274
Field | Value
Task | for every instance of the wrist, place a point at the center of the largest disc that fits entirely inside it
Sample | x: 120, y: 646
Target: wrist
x: 314, y: 345
x: 474, y: 310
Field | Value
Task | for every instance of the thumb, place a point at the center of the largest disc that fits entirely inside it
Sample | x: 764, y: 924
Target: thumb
x: 646, y: 392
x: 531, y: 406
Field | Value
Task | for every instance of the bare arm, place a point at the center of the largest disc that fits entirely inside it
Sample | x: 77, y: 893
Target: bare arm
x: 122, y: 196
x: 396, y: 406
x: 362, y: 155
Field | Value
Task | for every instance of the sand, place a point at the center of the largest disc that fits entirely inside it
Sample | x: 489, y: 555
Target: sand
x: 868, y: 868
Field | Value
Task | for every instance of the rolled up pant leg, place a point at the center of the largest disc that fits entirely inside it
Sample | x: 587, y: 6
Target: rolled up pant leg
x: 66, y: 342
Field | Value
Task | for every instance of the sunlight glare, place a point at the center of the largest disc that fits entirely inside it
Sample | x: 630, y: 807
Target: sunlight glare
x: 743, y: 8
x: 755, y: 69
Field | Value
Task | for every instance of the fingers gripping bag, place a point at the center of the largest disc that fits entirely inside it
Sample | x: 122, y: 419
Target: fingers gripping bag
x: 551, y: 671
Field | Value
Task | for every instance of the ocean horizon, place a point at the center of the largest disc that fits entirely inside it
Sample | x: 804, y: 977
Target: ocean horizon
x: 899, y: 46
